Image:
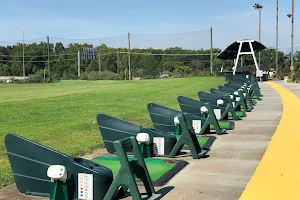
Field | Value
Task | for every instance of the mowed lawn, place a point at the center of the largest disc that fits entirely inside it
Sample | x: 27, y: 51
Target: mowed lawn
x: 63, y: 115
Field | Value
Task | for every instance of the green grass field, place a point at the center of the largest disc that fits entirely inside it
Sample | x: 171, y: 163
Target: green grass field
x: 63, y: 115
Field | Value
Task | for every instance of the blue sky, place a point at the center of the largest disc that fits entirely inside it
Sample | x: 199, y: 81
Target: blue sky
x: 149, y: 22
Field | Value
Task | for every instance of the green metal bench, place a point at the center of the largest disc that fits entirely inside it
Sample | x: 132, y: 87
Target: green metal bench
x: 249, y: 81
x: 163, y: 119
x: 113, y: 129
x: 248, y: 102
x: 237, y: 102
x: 193, y: 107
x: 246, y: 92
x: 237, y: 96
x: 223, y: 101
x: 252, y: 88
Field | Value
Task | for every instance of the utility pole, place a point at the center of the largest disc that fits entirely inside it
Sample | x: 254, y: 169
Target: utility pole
x: 292, y: 55
x: 78, y: 58
x: 48, y: 55
x: 259, y: 8
x: 23, y: 54
x: 129, y: 55
x: 99, y: 61
x: 44, y: 75
x: 259, y: 36
x: 277, y: 76
x: 118, y: 61
x: 292, y: 16
x: 211, y: 50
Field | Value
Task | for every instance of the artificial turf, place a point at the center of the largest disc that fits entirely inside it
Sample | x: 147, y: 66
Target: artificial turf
x: 156, y: 167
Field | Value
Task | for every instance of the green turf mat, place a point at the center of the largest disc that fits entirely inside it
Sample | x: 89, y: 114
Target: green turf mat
x: 243, y: 106
x: 156, y: 167
x: 238, y: 113
x: 224, y: 125
x: 202, y: 140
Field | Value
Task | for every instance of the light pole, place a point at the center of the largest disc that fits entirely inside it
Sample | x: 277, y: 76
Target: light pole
x: 259, y: 8
x: 23, y: 54
x: 277, y: 39
x: 292, y: 41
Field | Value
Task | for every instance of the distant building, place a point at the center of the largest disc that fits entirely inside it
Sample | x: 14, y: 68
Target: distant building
x: 9, y: 79
x: 164, y: 76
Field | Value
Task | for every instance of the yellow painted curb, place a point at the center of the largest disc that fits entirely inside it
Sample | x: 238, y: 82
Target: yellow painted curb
x: 278, y: 174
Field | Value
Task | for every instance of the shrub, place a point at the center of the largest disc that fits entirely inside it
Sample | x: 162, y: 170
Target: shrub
x: 204, y: 73
x: 104, y: 75
x: 37, y: 77
x: 297, y: 76
x: 280, y: 76
x: 182, y: 71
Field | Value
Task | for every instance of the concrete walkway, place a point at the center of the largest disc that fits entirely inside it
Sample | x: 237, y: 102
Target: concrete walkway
x: 231, y: 163
x: 293, y: 87
x: 278, y: 174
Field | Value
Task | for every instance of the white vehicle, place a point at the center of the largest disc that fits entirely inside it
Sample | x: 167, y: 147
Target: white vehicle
x: 164, y: 76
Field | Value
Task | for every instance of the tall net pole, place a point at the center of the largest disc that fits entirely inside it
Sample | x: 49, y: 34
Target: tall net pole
x: 99, y: 61
x: 23, y: 53
x: 129, y: 63
x: 48, y: 61
x: 78, y: 64
x: 211, y: 50
x: 292, y: 47
x: 277, y: 39
x: 259, y: 10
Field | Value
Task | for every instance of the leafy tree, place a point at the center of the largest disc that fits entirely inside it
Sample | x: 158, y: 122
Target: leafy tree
x: 150, y: 66
x: 59, y: 48
x: 182, y: 71
x: 4, y: 70
x: 146, y: 63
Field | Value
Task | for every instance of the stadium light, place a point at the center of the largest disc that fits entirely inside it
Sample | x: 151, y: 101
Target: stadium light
x: 277, y: 76
x: 292, y: 41
x: 259, y: 8
x: 23, y: 31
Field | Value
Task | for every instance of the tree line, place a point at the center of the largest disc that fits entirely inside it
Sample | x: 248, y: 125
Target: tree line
x: 113, y: 63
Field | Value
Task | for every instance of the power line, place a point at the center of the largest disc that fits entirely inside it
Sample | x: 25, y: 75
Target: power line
x: 168, y: 54
x: 58, y: 38
x: 14, y: 56
x: 44, y: 39
x: 25, y: 40
x: 179, y: 33
x: 37, y: 61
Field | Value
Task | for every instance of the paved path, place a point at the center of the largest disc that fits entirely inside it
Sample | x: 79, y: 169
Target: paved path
x: 293, y: 87
x: 278, y: 174
x: 232, y: 162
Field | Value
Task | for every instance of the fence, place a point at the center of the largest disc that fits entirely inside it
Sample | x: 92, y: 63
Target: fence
x: 127, y: 55
x: 124, y: 57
